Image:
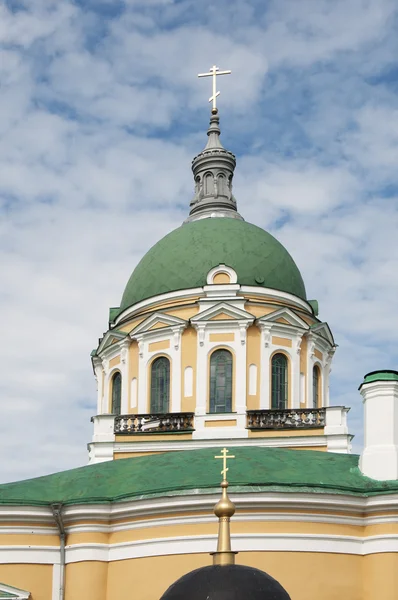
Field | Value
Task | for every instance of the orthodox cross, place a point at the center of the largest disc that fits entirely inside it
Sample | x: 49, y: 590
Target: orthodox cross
x: 213, y: 72
x: 224, y: 457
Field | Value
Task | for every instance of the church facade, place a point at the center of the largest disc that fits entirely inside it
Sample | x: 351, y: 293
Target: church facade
x: 214, y: 344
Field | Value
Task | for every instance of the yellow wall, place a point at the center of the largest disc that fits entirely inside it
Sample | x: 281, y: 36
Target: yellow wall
x: 133, y: 373
x: 380, y: 576
x: 305, y: 575
x: 88, y: 581
x: 36, y: 579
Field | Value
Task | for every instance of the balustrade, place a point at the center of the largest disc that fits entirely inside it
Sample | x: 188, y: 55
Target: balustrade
x: 295, y: 418
x: 154, y: 423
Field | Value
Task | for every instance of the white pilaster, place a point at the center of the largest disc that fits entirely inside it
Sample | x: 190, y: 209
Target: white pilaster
x: 201, y: 375
x: 124, y: 370
x: 265, y: 353
x: 295, y: 357
x: 310, y: 368
x: 142, y: 378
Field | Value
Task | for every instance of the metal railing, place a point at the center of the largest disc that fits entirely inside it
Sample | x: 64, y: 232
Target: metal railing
x: 295, y: 418
x: 154, y: 423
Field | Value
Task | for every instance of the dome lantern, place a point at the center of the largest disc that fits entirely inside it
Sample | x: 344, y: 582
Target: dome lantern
x: 213, y: 171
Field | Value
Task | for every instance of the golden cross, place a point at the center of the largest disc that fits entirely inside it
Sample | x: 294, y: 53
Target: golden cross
x: 225, y: 458
x: 213, y: 72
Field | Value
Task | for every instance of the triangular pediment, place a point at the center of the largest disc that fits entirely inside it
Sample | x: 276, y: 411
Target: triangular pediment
x: 8, y: 592
x: 323, y: 330
x: 222, y: 316
x: 158, y: 321
x: 284, y: 316
x: 222, y: 312
x: 111, y: 338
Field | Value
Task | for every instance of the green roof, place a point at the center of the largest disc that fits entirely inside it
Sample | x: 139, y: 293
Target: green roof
x: 386, y: 375
x: 182, y: 259
x: 170, y: 473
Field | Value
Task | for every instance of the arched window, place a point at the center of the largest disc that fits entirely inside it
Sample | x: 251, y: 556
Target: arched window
x: 209, y: 184
x: 316, y: 379
x: 279, y: 382
x: 221, y: 185
x: 221, y: 382
x: 116, y: 393
x: 160, y: 385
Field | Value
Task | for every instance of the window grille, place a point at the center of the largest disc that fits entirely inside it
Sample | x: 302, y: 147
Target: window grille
x: 279, y: 382
x: 116, y: 393
x: 315, y: 387
x: 160, y: 385
x: 221, y: 382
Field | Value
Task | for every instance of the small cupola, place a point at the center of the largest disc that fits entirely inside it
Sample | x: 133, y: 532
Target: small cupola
x: 213, y: 171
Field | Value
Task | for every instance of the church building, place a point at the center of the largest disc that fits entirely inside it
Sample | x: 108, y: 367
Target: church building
x: 214, y: 345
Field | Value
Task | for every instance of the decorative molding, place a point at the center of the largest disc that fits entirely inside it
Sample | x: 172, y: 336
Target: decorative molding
x: 221, y: 268
x: 236, y: 314
x: 255, y: 291
x: 179, y: 545
x: 289, y: 315
x: 14, y: 592
x: 158, y: 317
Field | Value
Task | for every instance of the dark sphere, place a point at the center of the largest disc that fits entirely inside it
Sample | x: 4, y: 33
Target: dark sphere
x: 229, y: 582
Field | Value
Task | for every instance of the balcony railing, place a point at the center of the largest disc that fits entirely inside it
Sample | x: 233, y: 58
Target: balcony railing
x: 154, y: 423
x: 295, y: 418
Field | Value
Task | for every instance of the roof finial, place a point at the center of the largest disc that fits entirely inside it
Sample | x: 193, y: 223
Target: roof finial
x: 213, y: 169
x: 224, y: 510
x: 213, y: 72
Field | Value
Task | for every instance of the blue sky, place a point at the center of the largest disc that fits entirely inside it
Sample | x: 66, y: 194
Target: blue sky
x: 101, y: 113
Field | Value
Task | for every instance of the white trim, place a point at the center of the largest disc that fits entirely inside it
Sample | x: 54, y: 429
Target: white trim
x: 242, y: 542
x: 177, y: 295
x: 255, y: 291
x: 207, y: 314
x: 275, y: 442
x: 154, y: 319
x: 42, y: 555
x: 26, y: 530
x: 287, y: 314
x: 19, y: 594
x: 221, y: 268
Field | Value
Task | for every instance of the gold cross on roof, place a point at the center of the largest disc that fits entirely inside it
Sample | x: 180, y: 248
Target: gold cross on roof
x: 225, y: 457
x: 213, y: 72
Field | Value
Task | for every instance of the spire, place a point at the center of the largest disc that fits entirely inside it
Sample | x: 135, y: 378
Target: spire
x: 224, y: 510
x: 213, y: 169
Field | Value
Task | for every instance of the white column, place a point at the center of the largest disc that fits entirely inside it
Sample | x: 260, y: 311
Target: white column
x: 99, y: 379
x: 175, y: 351
x: 201, y: 372
x: 124, y: 370
x: 295, y: 357
x: 310, y: 367
x: 142, y: 377
x: 105, y: 394
x: 326, y: 378
x: 241, y: 371
x: 379, y: 459
x: 265, y: 365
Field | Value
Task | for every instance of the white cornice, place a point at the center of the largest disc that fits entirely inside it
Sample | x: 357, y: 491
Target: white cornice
x: 254, y: 291
x: 366, y: 511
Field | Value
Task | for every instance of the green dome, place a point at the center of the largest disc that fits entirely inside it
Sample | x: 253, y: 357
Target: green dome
x: 182, y: 259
